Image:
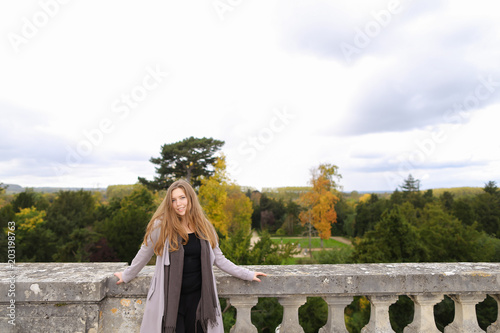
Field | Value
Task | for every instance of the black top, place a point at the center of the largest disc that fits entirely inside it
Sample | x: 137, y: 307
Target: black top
x: 191, y: 275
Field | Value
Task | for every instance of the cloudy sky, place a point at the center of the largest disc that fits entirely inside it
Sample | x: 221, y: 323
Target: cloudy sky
x: 90, y: 90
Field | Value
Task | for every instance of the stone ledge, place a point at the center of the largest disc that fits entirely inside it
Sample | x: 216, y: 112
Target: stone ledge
x: 92, y: 282
x: 58, y: 282
x: 84, y: 297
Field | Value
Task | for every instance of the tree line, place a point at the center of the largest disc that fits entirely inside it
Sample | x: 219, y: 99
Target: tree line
x: 407, y: 225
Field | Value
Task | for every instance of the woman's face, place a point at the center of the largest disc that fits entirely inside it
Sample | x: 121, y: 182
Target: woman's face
x: 179, y: 201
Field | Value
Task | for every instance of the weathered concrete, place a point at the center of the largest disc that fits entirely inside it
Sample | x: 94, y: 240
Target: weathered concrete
x: 84, y: 297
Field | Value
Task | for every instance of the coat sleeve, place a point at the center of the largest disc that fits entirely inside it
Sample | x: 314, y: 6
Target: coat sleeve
x: 142, y: 257
x: 229, y: 267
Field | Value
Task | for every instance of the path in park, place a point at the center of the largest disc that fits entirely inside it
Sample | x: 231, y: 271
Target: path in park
x: 255, y: 238
x: 342, y: 240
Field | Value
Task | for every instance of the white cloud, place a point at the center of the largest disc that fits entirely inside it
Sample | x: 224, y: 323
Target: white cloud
x: 226, y: 78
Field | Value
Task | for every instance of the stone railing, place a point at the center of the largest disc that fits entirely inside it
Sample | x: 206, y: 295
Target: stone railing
x: 83, y: 297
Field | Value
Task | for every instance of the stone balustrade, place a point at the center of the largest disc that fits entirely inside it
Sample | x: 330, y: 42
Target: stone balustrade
x: 84, y: 297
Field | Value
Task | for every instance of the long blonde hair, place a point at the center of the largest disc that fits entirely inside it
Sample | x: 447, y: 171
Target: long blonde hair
x: 171, y: 223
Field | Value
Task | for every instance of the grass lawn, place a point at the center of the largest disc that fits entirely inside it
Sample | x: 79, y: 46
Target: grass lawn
x: 315, y: 242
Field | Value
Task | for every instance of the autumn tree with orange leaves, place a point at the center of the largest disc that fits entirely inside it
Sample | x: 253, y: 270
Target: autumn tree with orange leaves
x: 320, y: 202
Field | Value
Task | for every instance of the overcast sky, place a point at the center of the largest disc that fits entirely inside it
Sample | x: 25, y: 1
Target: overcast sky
x: 91, y: 90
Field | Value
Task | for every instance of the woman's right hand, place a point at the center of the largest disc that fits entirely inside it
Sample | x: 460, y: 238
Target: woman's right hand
x: 119, y: 276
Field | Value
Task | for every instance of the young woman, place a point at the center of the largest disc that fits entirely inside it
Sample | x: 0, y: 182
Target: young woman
x: 182, y: 296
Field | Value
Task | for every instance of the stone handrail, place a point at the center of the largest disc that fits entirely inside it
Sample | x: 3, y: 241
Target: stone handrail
x: 84, y: 297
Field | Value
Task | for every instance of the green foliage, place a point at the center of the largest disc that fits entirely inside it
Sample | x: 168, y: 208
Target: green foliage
x: 392, y: 240
x: 447, y: 199
x: 228, y: 314
x: 486, y: 312
x: 401, y: 313
x: 264, y: 252
x: 119, y: 191
x: 487, y: 212
x: 491, y: 188
x: 313, y: 314
x: 24, y: 199
x: 463, y: 209
x: 459, y: 192
x: 70, y: 210
x: 368, y: 214
x: 410, y: 185
x: 345, y: 217
x: 28, y: 199
x: 357, y: 314
x: 78, y: 248
x: 126, y: 225
x: 291, y: 221
x: 444, y: 312
x: 272, y: 213
x: 341, y: 255
x: 445, y: 238
x: 34, y: 242
x: 315, y: 242
x: 267, y: 314
x: 191, y: 159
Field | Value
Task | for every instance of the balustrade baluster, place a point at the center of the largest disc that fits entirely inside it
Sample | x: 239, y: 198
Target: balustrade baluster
x: 423, y: 319
x: 336, y: 307
x: 291, y: 305
x: 465, y: 314
x: 379, y: 316
x: 243, y: 305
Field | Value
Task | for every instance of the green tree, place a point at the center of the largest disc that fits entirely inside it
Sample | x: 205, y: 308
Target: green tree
x: 35, y: 243
x: 393, y: 239
x: 447, y: 199
x: 368, y: 214
x: 410, y: 185
x: 191, y: 158
x: 70, y: 210
x: 463, y: 209
x: 487, y: 210
x: 24, y: 199
x: 239, y: 250
x: 126, y: 226
x: 411, y: 192
x: 272, y: 213
x: 345, y: 216
x: 491, y: 188
x: 447, y: 239
x: 291, y: 221
x: 79, y: 247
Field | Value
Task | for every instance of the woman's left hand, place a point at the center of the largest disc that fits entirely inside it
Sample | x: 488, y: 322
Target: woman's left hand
x: 255, y: 278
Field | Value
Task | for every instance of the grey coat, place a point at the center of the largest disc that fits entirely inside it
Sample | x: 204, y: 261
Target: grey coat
x: 153, y: 312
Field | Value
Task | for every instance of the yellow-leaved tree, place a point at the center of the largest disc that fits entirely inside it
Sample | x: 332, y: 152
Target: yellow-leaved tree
x: 238, y: 210
x: 213, y: 195
x: 226, y: 206
x: 319, y: 203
